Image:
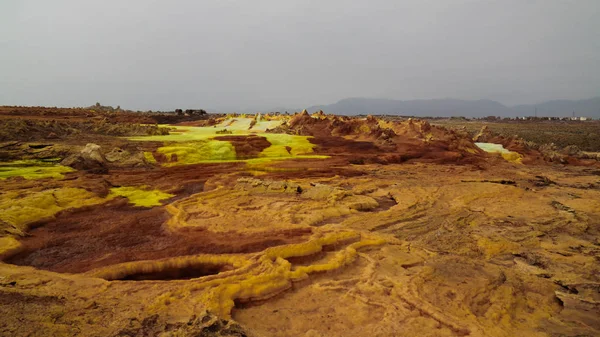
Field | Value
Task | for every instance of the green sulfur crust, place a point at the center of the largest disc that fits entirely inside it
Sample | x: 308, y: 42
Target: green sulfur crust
x: 198, y: 152
x: 280, y: 142
x: 194, y: 145
x: 140, y: 196
x: 33, y: 169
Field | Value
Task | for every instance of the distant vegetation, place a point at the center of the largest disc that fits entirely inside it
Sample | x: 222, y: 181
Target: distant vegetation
x: 584, y: 135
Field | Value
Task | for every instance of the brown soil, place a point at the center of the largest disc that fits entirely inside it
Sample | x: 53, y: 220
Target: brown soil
x: 246, y: 146
x: 115, y: 233
x: 367, y: 141
x: 172, y: 178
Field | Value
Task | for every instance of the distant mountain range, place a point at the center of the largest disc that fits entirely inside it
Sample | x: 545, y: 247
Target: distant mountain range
x: 456, y: 107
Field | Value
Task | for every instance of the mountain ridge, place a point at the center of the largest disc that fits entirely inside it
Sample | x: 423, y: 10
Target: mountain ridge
x: 448, y: 107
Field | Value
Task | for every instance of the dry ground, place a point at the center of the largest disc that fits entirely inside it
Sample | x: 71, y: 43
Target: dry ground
x: 402, y: 230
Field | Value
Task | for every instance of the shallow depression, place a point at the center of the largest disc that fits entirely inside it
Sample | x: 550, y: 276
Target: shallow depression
x: 175, y: 273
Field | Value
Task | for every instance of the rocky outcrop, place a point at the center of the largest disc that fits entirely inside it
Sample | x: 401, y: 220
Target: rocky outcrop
x: 387, y: 142
x: 484, y: 135
x: 89, y: 159
x: 40, y: 129
x: 123, y: 158
x: 204, y: 325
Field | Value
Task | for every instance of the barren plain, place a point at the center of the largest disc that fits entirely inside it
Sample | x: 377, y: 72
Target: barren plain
x: 125, y: 224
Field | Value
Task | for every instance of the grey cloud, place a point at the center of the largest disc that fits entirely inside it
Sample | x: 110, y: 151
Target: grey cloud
x: 231, y: 55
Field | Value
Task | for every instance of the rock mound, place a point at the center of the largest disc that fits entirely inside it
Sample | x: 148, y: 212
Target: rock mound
x: 89, y: 159
x: 123, y: 158
x: 394, y: 141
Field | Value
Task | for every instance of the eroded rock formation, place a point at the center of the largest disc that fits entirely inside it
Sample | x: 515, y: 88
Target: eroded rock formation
x: 394, y: 229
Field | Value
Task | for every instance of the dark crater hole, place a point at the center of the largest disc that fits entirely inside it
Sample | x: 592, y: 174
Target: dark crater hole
x: 178, y: 273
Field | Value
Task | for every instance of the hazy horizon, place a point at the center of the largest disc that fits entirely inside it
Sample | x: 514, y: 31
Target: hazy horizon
x: 235, y: 55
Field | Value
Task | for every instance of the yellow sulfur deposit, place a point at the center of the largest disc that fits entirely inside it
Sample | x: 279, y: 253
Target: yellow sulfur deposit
x: 513, y: 157
x: 498, y: 148
x: 123, y: 270
x: 194, y: 145
x: 198, y: 152
x: 140, y: 196
x: 276, y: 273
x: 8, y: 244
x: 19, y: 210
x: 33, y: 169
x: 256, y: 277
x: 406, y: 229
x: 280, y: 143
x: 149, y: 157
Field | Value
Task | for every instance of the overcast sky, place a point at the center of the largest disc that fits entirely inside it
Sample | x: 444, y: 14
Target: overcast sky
x: 230, y: 55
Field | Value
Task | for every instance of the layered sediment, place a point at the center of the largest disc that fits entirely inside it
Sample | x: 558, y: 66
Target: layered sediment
x: 322, y: 226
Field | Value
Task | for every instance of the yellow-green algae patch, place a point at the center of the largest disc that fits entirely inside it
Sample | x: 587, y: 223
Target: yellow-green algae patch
x: 33, y: 169
x: 140, y: 196
x: 18, y: 210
